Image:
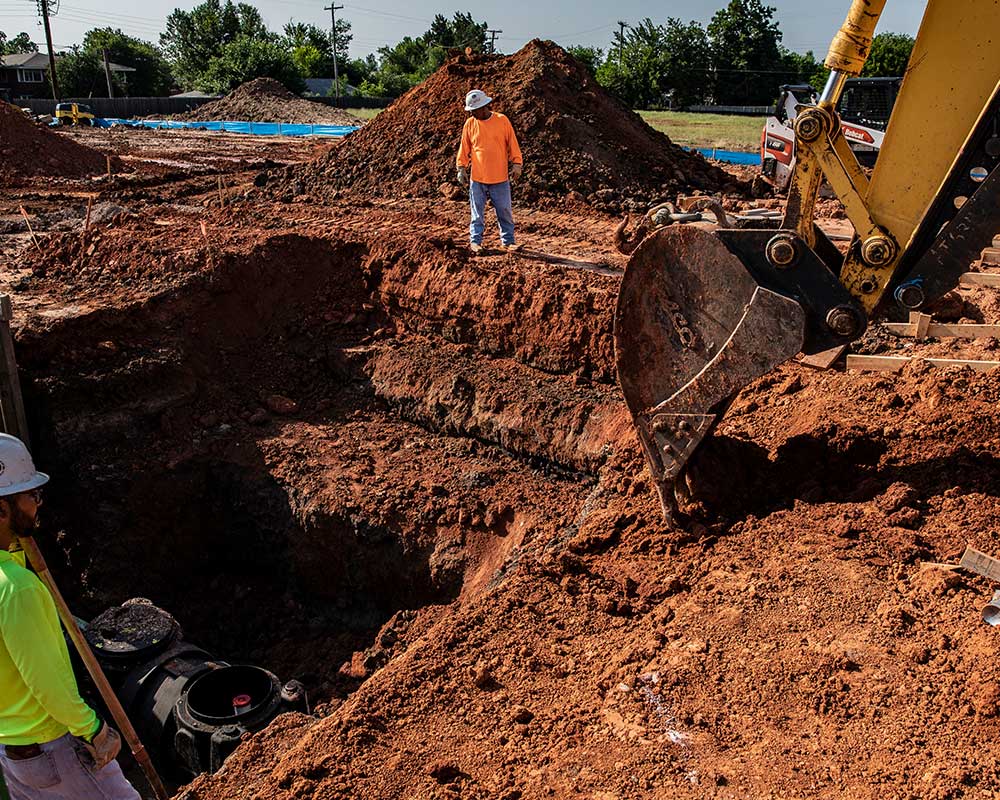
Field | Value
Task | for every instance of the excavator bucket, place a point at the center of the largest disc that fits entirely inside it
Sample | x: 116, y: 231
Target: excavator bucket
x: 692, y: 328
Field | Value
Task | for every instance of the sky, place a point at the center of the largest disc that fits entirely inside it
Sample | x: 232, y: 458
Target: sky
x: 379, y: 22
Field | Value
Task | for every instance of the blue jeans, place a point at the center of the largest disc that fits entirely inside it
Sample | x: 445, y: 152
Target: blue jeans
x: 61, y: 773
x: 499, y: 193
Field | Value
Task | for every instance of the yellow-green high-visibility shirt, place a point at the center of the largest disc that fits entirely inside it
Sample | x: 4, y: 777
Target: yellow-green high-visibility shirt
x: 39, y: 698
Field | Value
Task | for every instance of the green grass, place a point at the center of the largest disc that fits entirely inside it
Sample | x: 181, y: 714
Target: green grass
x: 365, y: 113
x: 708, y: 130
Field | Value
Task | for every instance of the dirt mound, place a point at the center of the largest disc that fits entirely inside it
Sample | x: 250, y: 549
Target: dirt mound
x: 267, y: 100
x: 27, y: 150
x: 575, y: 137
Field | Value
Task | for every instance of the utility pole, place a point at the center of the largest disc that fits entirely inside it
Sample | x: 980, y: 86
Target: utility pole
x: 333, y: 8
x: 43, y: 12
x: 621, y: 42
x: 493, y: 40
x: 107, y: 72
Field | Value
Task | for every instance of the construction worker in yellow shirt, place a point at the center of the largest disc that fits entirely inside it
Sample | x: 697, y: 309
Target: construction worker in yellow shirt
x: 52, y: 744
x: 489, y: 147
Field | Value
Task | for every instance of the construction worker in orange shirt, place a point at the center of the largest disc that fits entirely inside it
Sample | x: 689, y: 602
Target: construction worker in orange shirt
x: 490, y: 148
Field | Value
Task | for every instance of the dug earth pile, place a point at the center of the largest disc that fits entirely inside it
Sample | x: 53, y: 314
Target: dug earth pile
x: 267, y: 100
x: 28, y: 149
x: 332, y: 443
x: 577, y: 140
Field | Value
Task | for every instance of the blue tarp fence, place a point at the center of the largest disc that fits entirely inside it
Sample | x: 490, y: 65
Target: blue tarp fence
x: 252, y: 128
x: 730, y: 156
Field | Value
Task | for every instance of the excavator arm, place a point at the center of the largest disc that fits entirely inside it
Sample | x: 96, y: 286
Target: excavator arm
x: 702, y: 313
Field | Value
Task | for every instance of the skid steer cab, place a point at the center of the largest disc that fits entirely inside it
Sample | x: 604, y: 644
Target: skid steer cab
x: 864, y: 108
x: 74, y: 114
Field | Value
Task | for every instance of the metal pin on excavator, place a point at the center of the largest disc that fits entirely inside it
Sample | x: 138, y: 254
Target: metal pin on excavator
x: 702, y: 313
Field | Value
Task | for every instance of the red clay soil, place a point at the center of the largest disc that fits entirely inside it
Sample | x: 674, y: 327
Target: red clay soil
x: 267, y: 100
x: 28, y: 150
x: 406, y: 476
x: 575, y: 138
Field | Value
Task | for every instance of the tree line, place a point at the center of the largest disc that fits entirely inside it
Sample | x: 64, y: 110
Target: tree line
x: 737, y: 59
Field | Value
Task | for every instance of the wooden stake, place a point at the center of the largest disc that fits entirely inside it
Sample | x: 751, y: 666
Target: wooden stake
x: 988, y: 279
x: 896, y: 363
x: 90, y: 205
x: 14, y: 420
x: 208, y: 244
x: 919, y: 324
x: 222, y: 199
x: 943, y: 331
x: 26, y: 222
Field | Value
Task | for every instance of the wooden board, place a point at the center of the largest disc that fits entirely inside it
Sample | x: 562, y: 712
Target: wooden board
x: 981, y: 564
x: 991, y: 256
x: 896, y: 363
x: 989, y: 279
x: 824, y: 360
x: 943, y: 331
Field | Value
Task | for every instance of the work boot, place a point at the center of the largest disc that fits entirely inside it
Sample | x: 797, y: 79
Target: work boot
x: 476, y: 248
x: 513, y: 248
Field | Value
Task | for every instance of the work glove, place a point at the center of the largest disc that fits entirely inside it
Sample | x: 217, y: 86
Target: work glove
x: 103, y: 746
x: 463, y: 177
x: 515, y: 171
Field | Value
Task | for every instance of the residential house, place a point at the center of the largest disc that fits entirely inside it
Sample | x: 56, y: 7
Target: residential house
x: 25, y: 75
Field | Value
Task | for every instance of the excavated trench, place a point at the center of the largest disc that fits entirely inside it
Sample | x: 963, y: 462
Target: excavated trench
x: 290, y: 447
x: 295, y: 445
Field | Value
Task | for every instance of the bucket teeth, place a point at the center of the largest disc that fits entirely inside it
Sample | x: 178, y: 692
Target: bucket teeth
x: 672, y: 438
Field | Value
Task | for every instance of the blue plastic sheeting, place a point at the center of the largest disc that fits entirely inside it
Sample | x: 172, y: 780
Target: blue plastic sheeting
x: 729, y: 156
x: 252, y: 128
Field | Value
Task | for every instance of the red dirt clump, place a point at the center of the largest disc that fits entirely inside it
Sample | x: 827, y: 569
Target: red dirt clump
x: 267, y: 100
x: 27, y: 149
x: 574, y: 135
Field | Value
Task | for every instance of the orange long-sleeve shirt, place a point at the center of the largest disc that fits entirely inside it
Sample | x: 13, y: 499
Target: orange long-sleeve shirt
x: 489, y: 145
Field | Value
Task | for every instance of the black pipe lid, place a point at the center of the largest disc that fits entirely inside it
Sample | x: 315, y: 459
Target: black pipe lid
x: 129, y: 634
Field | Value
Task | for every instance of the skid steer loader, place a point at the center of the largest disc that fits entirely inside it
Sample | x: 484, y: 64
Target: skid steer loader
x: 864, y: 109
x: 701, y: 313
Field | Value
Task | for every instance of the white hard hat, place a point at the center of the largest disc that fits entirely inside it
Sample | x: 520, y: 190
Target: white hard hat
x: 17, y: 470
x: 476, y: 99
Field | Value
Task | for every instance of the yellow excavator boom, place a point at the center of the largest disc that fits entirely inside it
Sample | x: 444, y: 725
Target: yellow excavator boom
x: 702, y: 313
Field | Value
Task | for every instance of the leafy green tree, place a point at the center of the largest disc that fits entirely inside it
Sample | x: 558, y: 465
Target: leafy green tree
x: 803, y: 68
x: 655, y: 65
x: 312, y: 47
x: 310, y: 61
x: 889, y: 56
x: 745, y: 41
x: 590, y: 57
x: 359, y: 70
x: 81, y: 71
x: 249, y: 57
x: 635, y: 67
x: 81, y: 74
x: 409, y: 62
x: 460, y: 31
x: 19, y: 44
x: 193, y: 38
x: 687, y: 52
